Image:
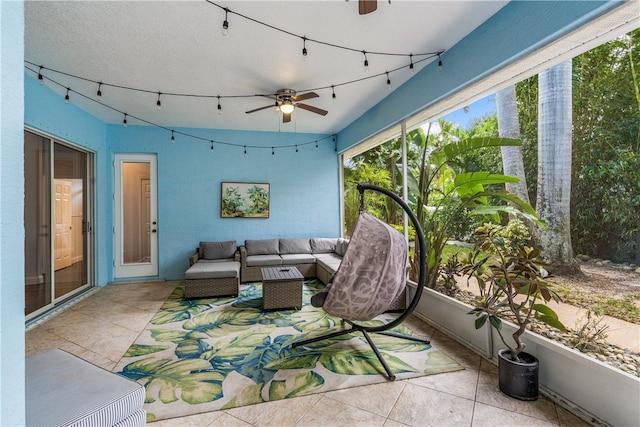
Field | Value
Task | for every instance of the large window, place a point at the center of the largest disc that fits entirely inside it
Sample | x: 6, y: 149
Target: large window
x: 58, y: 225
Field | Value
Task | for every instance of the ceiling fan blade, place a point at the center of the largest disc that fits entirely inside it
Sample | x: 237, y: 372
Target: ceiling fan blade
x: 286, y: 118
x: 304, y: 96
x: 312, y: 109
x: 367, y: 6
x: 258, y: 109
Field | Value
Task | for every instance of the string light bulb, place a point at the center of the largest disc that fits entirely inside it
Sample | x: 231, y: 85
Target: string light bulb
x: 40, y: 77
x: 388, y: 81
x: 158, y: 103
x: 211, y: 145
x: 333, y: 93
x: 439, y: 61
x: 219, y: 106
x: 304, y: 49
x: 124, y: 121
x: 66, y: 97
x: 296, y: 148
x: 273, y: 153
x: 366, y: 62
x: 225, y: 24
x: 245, y: 151
x: 411, y: 71
x: 173, y: 138
x: 316, y: 144
x: 99, y: 92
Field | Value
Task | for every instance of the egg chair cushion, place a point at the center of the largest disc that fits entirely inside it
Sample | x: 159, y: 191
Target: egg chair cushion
x: 372, y: 274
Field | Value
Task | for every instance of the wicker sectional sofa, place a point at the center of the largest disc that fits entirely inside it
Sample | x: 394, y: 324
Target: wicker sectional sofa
x: 313, y: 257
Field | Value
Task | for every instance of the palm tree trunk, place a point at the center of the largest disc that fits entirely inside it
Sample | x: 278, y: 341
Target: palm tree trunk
x: 554, y: 164
x: 512, y: 163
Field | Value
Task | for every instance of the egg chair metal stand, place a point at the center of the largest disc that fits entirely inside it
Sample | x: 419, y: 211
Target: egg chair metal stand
x: 347, y: 277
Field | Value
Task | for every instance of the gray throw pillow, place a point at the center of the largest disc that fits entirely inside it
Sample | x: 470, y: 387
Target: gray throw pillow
x: 218, y: 250
x: 341, y: 246
x: 323, y: 245
x: 262, y: 247
x: 295, y: 246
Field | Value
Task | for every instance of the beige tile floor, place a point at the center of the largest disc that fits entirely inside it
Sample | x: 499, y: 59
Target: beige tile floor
x: 101, y: 326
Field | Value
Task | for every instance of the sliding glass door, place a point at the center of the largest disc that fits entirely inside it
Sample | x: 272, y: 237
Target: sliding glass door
x: 57, y: 216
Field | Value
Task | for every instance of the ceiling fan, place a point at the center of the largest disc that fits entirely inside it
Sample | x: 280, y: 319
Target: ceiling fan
x: 286, y: 101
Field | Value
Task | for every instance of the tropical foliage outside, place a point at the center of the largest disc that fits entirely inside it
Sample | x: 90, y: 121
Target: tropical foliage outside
x: 605, y: 164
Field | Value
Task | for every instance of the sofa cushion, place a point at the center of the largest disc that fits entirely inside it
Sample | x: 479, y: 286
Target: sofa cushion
x: 262, y: 247
x: 263, y: 260
x: 63, y: 389
x: 329, y: 262
x: 217, y: 250
x: 295, y: 246
x: 292, y: 259
x: 213, y: 270
x: 341, y: 246
x: 323, y: 245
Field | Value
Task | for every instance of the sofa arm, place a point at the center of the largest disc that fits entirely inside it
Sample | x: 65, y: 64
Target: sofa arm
x: 193, y: 258
x: 243, y: 255
x: 236, y: 255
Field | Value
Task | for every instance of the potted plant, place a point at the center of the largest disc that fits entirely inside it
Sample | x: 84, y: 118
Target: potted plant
x: 513, y: 284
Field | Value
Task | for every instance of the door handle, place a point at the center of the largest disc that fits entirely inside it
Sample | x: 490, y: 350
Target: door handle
x: 154, y: 231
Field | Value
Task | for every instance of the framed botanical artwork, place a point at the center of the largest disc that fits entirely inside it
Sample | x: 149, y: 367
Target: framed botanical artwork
x: 244, y: 200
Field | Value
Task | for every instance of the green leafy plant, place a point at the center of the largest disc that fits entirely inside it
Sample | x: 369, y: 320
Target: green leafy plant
x: 588, y: 330
x: 511, y: 284
x: 443, y: 193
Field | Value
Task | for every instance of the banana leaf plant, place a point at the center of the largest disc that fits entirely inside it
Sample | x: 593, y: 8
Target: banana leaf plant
x: 510, y: 283
x: 441, y: 193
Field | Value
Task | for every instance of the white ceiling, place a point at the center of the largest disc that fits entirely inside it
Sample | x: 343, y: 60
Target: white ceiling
x: 178, y: 47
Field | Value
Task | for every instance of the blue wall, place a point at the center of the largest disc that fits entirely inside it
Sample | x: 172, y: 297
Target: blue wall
x: 304, y: 186
x: 12, y: 390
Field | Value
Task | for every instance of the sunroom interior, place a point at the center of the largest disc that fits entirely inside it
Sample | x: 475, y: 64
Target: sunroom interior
x: 165, y: 72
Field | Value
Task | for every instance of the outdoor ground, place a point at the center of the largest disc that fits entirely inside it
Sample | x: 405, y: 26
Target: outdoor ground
x: 603, y: 287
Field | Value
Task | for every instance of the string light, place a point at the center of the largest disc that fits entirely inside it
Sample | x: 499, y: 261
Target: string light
x: 158, y: 103
x: 333, y: 93
x: 304, y: 48
x: 211, y: 145
x: 411, y: 64
x: 99, y: 92
x: 219, y: 106
x: 388, y: 81
x: 225, y: 24
x: 366, y: 62
x: 196, y: 137
x: 40, y: 78
x: 439, y: 61
x: 66, y: 97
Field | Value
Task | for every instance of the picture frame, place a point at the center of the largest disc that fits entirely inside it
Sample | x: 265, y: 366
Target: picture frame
x: 244, y: 200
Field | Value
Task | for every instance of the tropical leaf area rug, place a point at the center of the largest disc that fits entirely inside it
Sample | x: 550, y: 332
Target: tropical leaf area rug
x: 203, y: 355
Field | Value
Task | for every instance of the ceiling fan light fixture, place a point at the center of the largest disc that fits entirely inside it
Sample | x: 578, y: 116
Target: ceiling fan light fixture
x: 287, y: 107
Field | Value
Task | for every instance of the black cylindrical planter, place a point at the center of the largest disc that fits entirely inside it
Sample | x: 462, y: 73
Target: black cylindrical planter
x: 518, y: 379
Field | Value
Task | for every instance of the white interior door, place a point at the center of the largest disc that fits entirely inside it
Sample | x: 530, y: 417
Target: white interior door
x: 136, y: 221
x: 63, y: 241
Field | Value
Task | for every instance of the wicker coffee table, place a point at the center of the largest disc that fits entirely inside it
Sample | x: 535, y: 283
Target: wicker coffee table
x: 281, y: 288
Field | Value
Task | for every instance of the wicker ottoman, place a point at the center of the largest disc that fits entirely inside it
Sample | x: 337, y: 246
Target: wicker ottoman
x: 212, y: 279
x: 281, y: 288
